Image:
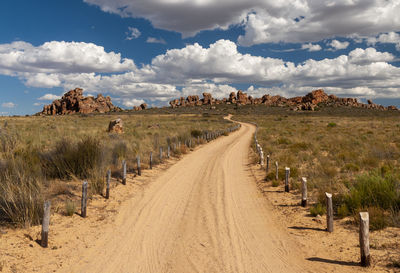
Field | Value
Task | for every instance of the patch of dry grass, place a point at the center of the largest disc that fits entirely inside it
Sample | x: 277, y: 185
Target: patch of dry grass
x: 354, y: 157
x: 38, y: 152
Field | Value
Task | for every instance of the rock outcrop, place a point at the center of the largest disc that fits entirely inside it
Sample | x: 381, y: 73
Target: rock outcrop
x: 116, y: 126
x: 309, y: 102
x: 74, y: 102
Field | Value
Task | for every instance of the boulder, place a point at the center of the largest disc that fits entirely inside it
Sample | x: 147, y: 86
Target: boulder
x: 143, y: 106
x: 241, y: 97
x: 207, y: 98
x: 315, y: 97
x: 232, y: 97
x: 116, y: 126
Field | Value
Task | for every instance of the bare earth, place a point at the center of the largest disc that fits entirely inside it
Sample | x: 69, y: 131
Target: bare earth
x: 203, y: 214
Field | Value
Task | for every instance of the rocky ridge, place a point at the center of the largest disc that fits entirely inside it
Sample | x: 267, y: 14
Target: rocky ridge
x: 74, y: 102
x: 309, y: 102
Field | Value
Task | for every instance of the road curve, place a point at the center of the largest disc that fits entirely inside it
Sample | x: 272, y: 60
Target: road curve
x: 204, y: 214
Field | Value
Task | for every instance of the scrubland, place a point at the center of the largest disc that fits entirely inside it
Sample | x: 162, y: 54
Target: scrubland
x: 353, y: 154
x: 48, y: 157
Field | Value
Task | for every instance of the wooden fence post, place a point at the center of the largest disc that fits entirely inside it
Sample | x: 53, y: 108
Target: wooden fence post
x: 151, y: 160
x: 267, y: 168
x: 287, y: 175
x: 329, y: 212
x: 84, y: 199
x: 168, y: 151
x: 276, y: 171
x: 124, y: 172
x: 364, y: 239
x: 108, y: 184
x: 303, y: 192
x: 139, y: 169
x: 161, y: 154
x: 45, y: 224
x: 261, y: 158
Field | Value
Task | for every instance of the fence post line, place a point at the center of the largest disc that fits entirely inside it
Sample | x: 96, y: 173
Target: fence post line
x: 303, y: 192
x: 108, y: 184
x: 45, y: 224
x: 287, y: 175
x: 267, y: 169
x: 139, y: 169
x: 364, y: 239
x: 84, y: 199
x: 276, y: 171
x: 329, y: 212
x: 124, y: 172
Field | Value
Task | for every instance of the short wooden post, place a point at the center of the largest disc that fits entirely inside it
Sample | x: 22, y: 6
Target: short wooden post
x: 161, y: 155
x: 84, y: 199
x: 287, y: 175
x: 45, y: 224
x: 151, y: 160
x: 267, y: 169
x: 261, y: 158
x: 124, y: 172
x: 364, y: 239
x: 174, y: 149
x: 168, y: 151
x: 329, y: 212
x: 139, y: 169
x: 198, y: 140
x: 276, y: 171
x: 108, y: 184
x: 303, y: 192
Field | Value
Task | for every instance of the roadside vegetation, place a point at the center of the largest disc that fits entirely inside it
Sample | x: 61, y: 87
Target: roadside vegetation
x: 355, y: 156
x: 41, y: 156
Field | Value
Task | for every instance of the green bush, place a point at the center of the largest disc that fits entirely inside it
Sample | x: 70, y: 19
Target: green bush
x: 196, y: 133
x: 275, y: 183
x: 343, y: 211
x: 331, y: 124
x: 317, y: 209
x: 373, y: 190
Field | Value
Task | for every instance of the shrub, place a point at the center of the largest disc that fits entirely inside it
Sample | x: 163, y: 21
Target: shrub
x: 69, y: 208
x: 275, y: 183
x: 283, y: 141
x: 373, y: 190
x: 351, y: 167
x: 21, y: 200
x: 317, y: 209
x: 196, y: 133
x: 343, y: 211
x: 70, y: 159
x: 332, y: 124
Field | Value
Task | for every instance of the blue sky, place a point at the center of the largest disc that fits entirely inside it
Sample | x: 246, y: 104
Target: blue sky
x: 156, y: 50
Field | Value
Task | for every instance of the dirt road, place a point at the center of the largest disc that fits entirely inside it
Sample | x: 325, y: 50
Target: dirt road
x: 204, y: 214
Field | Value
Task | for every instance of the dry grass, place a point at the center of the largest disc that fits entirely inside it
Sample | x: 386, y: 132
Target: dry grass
x: 39, y: 155
x: 355, y: 157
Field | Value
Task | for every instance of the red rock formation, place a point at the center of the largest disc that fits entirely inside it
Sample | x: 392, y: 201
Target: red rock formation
x: 74, y: 102
x: 241, y: 97
x: 310, y: 102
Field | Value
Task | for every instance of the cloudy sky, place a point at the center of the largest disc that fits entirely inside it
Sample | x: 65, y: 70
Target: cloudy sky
x: 156, y: 50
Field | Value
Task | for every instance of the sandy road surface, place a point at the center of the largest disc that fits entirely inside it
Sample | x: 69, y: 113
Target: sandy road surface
x: 204, y: 214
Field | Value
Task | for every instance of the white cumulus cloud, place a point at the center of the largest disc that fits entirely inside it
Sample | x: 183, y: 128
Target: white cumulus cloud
x: 311, y: 47
x: 49, y: 97
x: 60, y: 57
x: 338, y: 45
x: 268, y: 20
x: 8, y: 105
